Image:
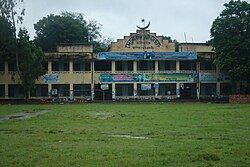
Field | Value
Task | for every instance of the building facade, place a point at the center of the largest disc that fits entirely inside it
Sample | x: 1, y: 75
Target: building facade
x: 139, y: 66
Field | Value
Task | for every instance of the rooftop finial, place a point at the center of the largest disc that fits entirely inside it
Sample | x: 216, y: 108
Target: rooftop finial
x: 144, y: 27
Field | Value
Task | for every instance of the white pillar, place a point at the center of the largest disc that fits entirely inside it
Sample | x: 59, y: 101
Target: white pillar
x: 113, y: 91
x: 178, y: 90
x: 92, y: 79
x: 135, y: 89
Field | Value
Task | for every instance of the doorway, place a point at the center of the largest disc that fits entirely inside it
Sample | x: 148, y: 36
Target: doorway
x: 188, y: 91
x: 103, y: 94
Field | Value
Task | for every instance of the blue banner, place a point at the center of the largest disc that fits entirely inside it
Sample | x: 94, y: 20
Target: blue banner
x: 49, y: 78
x: 214, y: 77
x: 147, y: 56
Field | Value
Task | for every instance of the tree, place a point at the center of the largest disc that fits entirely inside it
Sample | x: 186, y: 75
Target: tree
x: 30, y: 57
x: 102, y: 45
x: 230, y: 37
x: 65, y: 28
x: 9, y: 10
x: 7, y: 40
x: 27, y: 56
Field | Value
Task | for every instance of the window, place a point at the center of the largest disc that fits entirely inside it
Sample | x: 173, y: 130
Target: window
x: 60, y: 66
x: 187, y: 65
x: 40, y: 91
x: 124, y: 89
x: 55, y: 66
x: 167, y: 65
x: 2, y: 91
x: 208, y: 89
x: 62, y: 89
x: 146, y: 65
x: 103, y: 65
x: 65, y: 67
x: 208, y: 65
x: 82, y: 89
x: 141, y: 92
x: 81, y: 66
x: 15, y: 91
x: 167, y: 89
x: 124, y: 65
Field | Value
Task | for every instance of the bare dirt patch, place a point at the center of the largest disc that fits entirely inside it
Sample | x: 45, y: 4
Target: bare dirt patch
x: 25, y: 115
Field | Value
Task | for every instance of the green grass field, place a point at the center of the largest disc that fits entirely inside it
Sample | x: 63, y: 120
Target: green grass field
x: 161, y: 134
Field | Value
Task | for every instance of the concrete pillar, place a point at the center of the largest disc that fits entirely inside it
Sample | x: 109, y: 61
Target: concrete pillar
x: 49, y: 87
x: 178, y: 90
x: 156, y: 89
x: 135, y: 66
x: 198, y: 80
x: 218, y: 88
x: 49, y: 67
x: 156, y: 66
x: 113, y: 91
x: 113, y: 66
x: 177, y: 66
x: 71, y: 67
x: 135, y: 89
x: 217, y: 83
x: 92, y: 79
x: 71, y: 91
x: 6, y: 91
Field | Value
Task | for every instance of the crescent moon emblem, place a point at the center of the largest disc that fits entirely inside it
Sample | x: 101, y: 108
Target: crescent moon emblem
x: 144, y: 28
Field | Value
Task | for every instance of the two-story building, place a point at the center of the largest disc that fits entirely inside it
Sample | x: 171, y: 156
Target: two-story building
x: 139, y: 66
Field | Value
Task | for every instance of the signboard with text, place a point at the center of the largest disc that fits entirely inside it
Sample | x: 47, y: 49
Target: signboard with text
x: 214, y: 77
x: 51, y: 78
x: 147, y: 56
x: 149, y: 77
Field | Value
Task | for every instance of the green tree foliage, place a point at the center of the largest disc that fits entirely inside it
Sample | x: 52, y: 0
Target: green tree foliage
x: 11, y: 8
x: 30, y: 58
x: 65, y: 28
x: 11, y: 11
x: 7, y: 40
x: 230, y: 35
x: 102, y: 45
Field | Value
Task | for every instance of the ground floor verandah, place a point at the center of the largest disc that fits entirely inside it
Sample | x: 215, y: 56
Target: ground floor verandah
x: 119, y: 91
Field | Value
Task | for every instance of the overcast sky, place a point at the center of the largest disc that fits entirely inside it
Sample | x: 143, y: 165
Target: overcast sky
x: 120, y: 17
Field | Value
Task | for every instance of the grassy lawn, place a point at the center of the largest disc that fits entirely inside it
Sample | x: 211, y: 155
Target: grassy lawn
x: 161, y: 134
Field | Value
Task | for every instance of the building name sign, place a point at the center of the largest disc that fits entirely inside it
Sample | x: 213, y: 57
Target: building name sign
x: 147, y: 56
x: 141, y: 41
